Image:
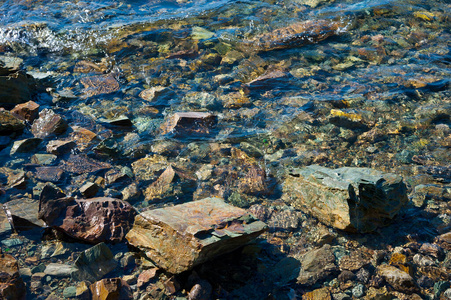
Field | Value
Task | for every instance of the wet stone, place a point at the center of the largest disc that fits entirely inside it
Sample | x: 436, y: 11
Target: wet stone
x: 400, y: 280
x: 189, y: 123
x: 180, y: 237
x: 157, y: 95
x: 9, y: 123
x: 28, y: 111
x: 111, y: 288
x: 58, y: 270
x: 11, y: 284
x: 89, y: 189
x: 23, y: 213
x: 100, y: 84
x: 322, y: 293
x: 352, y: 199
x: 93, y: 263
x: 44, y: 159
x: 316, y: 265
x: 59, y: 147
x: 82, y: 136
x: 25, y: 146
x: 49, y: 174
x: 14, y: 87
x: 81, y: 163
x: 119, y: 121
x: 49, y: 123
x: 93, y: 220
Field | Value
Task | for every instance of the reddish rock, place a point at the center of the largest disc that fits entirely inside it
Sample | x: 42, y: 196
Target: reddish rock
x: 200, y: 291
x: 12, y: 286
x: 49, y: 123
x: 186, y: 123
x: 28, y: 111
x: 180, y: 237
x: 111, y: 289
x: 83, y: 137
x: 93, y: 220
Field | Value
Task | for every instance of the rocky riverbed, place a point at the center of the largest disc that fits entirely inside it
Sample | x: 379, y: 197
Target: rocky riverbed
x: 225, y: 150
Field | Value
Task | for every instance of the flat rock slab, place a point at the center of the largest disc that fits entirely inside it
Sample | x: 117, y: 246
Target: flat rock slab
x: 351, y: 199
x: 180, y: 237
x: 23, y: 213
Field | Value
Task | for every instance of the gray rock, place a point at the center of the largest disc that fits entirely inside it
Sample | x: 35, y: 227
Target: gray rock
x: 94, y: 263
x: 44, y: 159
x: 358, y: 291
x: 58, y: 270
x: 316, y: 265
x: 24, y: 146
x: 23, y: 213
x: 400, y: 280
x: 352, y: 199
x: 70, y: 292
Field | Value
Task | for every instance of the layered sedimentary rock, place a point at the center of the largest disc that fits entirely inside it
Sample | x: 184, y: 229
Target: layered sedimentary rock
x: 93, y: 220
x: 12, y: 286
x: 352, y: 199
x: 180, y: 237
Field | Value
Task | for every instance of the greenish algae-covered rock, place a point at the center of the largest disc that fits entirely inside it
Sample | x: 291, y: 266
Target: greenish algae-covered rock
x: 180, y: 237
x: 351, y: 199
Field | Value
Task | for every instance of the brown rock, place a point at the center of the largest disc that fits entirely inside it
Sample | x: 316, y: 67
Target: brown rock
x: 82, y: 291
x: 12, y: 286
x: 200, y: 291
x: 51, y: 174
x: 14, y: 87
x: 269, y: 80
x: 318, y: 294
x: 146, y: 277
x: 100, y: 84
x: 180, y: 237
x: 358, y: 259
x: 9, y: 123
x: 111, y: 289
x: 189, y: 123
x: 158, y: 95
x: 149, y: 167
x: 81, y: 163
x: 297, y: 34
x: 59, y: 147
x: 93, y: 220
x: 316, y: 265
x: 82, y: 136
x: 89, y: 189
x: 49, y: 123
x: 400, y: 280
x: 445, y: 240
x: 171, y: 183
x: 28, y: 111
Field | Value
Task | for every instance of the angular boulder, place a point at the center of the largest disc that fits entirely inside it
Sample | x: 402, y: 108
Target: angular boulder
x: 92, y: 220
x: 93, y: 263
x: 351, y: 199
x: 180, y: 237
x: 111, y: 288
x: 22, y: 213
x: 12, y: 286
x: 49, y: 123
x: 28, y: 111
x: 10, y: 124
x: 14, y: 87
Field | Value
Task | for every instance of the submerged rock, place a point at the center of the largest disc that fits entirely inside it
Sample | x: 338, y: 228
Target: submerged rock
x: 100, y: 84
x: 49, y: 123
x: 23, y: 213
x: 297, y: 34
x: 111, y: 288
x: 94, y: 263
x: 352, y: 199
x: 93, y: 220
x: 180, y: 237
x: 189, y: 123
